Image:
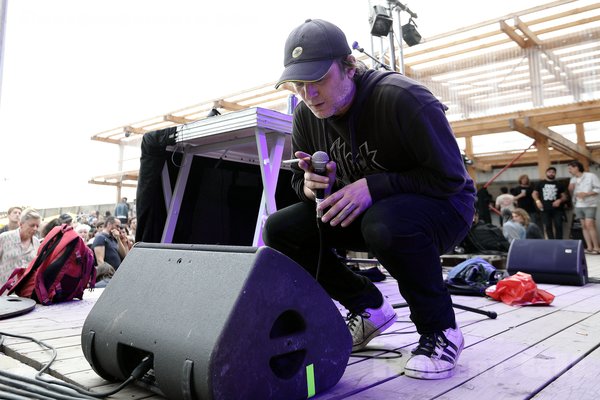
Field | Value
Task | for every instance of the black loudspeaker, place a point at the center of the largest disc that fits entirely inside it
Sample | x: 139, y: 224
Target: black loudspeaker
x: 549, y: 261
x: 221, y: 322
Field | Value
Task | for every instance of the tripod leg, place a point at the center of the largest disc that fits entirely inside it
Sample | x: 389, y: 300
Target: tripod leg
x: 489, y: 314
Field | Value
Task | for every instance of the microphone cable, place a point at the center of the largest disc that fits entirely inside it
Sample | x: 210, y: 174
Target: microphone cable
x: 320, y: 228
x: 319, y: 162
x: 43, y: 388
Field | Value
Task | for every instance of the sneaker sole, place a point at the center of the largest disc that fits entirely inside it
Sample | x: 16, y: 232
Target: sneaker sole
x: 375, y: 333
x: 446, y: 373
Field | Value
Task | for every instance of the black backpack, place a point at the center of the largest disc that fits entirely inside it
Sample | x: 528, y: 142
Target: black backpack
x: 484, y: 238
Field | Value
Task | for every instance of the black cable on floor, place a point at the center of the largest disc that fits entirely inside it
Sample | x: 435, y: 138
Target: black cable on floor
x: 357, y: 354
x: 63, y: 390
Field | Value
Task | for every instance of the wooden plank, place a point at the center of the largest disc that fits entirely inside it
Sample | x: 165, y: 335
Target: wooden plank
x: 478, y: 359
x: 129, y: 392
x: 533, y: 368
x: 13, y: 366
x: 87, y: 379
x: 480, y: 334
x: 65, y: 353
x: 578, y: 383
x: 23, y: 348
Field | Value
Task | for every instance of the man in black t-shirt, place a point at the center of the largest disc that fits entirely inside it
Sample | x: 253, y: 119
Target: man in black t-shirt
x: 108, y: 245
x: 550, y: 197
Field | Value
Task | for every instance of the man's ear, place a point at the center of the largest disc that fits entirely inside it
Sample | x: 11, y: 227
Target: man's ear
x: 350, y: 72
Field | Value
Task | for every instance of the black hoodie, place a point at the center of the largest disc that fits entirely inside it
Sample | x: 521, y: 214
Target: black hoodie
x: 396, y: 135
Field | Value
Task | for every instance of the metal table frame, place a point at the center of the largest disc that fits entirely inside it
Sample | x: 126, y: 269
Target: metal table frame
x: 255, y: 136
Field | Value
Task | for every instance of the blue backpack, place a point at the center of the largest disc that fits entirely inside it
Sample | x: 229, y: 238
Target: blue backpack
x: 472, y: 277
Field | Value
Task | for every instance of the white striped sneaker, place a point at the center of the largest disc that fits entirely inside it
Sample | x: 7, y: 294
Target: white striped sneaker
x: 436, y: 355
x: 369, y: 324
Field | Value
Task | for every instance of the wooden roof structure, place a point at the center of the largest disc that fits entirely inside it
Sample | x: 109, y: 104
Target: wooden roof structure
x: 533, y: 75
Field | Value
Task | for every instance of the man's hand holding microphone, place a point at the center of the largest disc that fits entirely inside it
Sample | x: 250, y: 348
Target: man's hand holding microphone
x: 343, y: 206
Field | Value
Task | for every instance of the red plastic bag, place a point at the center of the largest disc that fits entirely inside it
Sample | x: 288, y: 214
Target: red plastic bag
x: 519, y: 290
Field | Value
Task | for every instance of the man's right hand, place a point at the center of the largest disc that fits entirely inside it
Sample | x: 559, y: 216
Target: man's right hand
x: 312, y: 180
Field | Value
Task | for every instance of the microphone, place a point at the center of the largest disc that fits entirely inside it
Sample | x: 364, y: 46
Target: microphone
x: 319, y: 162
x: 356, y: 47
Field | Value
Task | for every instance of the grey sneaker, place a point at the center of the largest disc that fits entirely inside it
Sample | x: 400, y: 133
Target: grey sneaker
x: 436, y: 355
x: 369, y: 324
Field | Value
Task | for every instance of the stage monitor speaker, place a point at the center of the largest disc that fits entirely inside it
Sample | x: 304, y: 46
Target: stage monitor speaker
x: 221, y: 322
x: 549, y: 261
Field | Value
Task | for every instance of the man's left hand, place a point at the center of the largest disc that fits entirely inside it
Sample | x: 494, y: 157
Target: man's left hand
x: 347, y: 204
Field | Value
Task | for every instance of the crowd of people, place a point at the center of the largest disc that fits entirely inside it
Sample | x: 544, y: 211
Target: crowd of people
x: 538, y: 211
x: 109, y: 237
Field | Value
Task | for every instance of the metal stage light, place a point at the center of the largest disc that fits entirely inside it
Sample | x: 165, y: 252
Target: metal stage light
x: 213, y: 113
x: 381, y: 22
x: 410, y: 34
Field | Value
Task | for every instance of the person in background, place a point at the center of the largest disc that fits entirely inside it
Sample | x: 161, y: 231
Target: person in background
x: 65, y: 219
x: 83, y: 230
x: 523, y: 197
x: 396, y: 186
x: 584, y: 188
x: 14, y: 217
x: 122, y: 211
x: 532, y: 230
x: 513, y: 227
x: 484, y: 203
x: 505, y: 201
x: 19, y: 246
x: 550, y: 197
x: 108, y: 245
x: 97, y: 228
x: 48, y: 226
x: 93, y: 218
x: 132, y: 228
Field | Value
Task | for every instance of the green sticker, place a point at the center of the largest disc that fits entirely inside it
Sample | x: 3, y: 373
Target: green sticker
x: 310, y: 380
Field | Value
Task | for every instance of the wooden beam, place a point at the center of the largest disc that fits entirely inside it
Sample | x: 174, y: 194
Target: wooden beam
x: 131, y: 185
x: 469, y: 153
x: 519, y: 126
x: 580, y: 130
x: 176, y: 119
x: 512, y: 33
x: 586, y: 111
x: 543, y: 155
x: 131, y: 129
x: 230, y: 106
x: 106, y: 140
x: 500, y: 160
x: 559, y: 141
x: 572, y: 39
x: 532, y: 38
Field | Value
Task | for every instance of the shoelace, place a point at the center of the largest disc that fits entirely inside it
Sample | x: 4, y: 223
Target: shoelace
x: 353, y: 318
x: 428, y: 343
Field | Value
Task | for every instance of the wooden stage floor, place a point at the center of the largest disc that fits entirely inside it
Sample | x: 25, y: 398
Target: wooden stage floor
x: 544, y: 352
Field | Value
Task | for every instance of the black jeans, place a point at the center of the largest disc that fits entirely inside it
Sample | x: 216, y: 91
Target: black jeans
x: 406, y: 232
x: 553, y: 217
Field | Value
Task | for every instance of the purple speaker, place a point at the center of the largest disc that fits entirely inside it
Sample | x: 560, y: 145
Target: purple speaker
x: 549, y: 261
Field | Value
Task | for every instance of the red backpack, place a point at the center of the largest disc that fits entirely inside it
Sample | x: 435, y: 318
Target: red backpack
x: 62, y: 269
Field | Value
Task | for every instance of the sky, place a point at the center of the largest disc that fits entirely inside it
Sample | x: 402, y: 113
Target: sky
x: 73, y: 68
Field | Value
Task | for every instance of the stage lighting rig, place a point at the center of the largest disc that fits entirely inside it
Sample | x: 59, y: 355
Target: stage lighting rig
x: 381, y: 22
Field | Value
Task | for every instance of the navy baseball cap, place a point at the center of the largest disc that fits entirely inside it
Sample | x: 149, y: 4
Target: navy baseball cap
x: 310, y: 50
